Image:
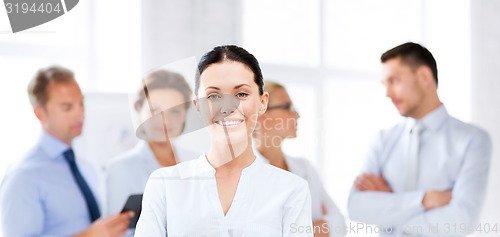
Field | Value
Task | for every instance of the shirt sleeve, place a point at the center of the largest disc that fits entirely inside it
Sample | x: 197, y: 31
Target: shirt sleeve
x: 334, y: 218
x: 297, y: 219
x: 336, y: 221
x: 380, y: 208
x: 153, y: 219
x: 21, y: 206
x: 461, y: 215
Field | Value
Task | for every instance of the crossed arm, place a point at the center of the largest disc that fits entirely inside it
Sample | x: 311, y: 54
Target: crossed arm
x: 432, y: 198
x: 372, y: 200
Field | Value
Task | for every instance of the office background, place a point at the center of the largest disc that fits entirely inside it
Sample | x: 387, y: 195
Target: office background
x: 326, y: 52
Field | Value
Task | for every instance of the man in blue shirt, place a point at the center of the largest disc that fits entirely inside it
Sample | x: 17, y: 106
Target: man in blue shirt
x: 49, y: 193
x: 427, y: 175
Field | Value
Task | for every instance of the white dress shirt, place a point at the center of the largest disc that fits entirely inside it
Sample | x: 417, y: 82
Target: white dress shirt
x: 453, y: 155
x: 183, y: 200
x: 319, y: 196
x: 128, y: 173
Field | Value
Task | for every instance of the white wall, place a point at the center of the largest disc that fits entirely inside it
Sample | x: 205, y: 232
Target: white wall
x: 485, y: 91
x: 174, y: 30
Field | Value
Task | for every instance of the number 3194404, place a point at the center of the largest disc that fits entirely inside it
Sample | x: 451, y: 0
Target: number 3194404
x: 27, y: 8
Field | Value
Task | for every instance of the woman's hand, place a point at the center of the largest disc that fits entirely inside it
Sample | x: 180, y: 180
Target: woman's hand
x: 321, y: 229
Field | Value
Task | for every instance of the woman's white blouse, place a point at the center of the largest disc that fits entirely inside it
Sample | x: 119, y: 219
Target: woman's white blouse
x: 182, y: 200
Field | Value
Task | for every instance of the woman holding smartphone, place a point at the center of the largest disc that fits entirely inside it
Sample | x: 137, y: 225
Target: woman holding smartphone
x: 225, y: 192
x: 161, y: 104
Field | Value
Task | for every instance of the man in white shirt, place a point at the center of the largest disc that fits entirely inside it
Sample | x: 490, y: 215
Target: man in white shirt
x: 427, y: 175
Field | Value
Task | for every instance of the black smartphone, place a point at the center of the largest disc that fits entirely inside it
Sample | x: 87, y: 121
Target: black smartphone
x: 134, y: 203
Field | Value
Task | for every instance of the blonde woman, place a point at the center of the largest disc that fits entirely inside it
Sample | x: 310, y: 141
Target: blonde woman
x: 278, y: 123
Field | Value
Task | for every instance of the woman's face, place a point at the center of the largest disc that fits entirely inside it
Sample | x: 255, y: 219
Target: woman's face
x: 280, y: 120
x: 229, y: 101
x: 167, y: 116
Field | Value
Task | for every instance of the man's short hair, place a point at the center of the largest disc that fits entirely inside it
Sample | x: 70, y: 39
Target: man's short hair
x: 37, y: 88
x: 414, y: 55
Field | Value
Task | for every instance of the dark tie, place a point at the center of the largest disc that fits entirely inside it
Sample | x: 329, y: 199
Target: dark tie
x: 69, y: 155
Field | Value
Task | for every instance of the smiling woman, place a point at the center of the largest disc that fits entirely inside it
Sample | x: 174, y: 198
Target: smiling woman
x: 226, y: 192
x: 234, y: 104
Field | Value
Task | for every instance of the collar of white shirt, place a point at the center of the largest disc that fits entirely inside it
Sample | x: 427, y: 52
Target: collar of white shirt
x: 431, y: 122
x: 204, y: 168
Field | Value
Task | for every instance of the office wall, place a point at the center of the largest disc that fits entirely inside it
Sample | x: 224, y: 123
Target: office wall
x: 485, y: 91
x: 173, y: 30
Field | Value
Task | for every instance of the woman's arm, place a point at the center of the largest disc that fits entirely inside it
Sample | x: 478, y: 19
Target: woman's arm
x: 332, y: 222
x: 332, y: 215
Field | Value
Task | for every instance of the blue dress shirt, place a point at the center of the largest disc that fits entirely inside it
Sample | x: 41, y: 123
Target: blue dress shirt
x: 39, y: 196
x: 453, y: 155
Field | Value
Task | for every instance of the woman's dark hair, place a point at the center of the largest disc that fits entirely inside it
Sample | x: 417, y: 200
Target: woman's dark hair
x: 413, y: 55
x: 230, y: 53
x: 162, y: 79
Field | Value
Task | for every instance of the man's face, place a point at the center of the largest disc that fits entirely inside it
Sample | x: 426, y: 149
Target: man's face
x: 404, y: 86
x: 63, y: 115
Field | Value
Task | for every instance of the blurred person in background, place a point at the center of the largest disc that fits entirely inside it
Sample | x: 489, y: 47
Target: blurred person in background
x: 278, y: 123
x: 428, y: 174
x: 50, y: 192
x: 161, y: 104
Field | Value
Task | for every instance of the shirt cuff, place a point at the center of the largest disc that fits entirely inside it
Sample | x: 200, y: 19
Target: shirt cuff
x: 414, y: 200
